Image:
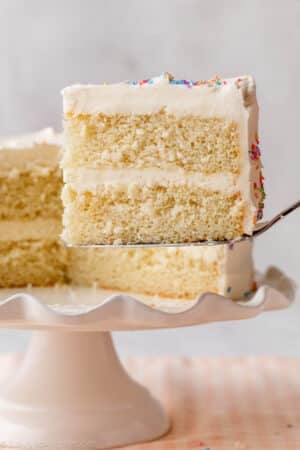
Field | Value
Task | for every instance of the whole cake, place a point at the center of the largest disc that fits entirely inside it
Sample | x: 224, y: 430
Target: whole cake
x: 161, y: 160
x: 30, y: 211
x: 31, y: 252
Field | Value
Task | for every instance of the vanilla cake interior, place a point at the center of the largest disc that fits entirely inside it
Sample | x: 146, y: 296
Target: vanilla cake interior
x: 167, y: 272
x: 161, y: 160
x: 30, y: 211
x: 31, y: 252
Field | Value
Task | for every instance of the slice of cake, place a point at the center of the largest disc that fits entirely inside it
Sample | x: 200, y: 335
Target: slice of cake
x: 167, y: 272
x: 161, y: 160
x: 30, y: 211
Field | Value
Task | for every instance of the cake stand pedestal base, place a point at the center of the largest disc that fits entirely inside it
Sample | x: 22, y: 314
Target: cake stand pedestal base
x: 70, y: 390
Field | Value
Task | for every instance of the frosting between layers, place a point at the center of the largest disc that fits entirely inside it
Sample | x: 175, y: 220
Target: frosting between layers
x: 19, y: 230
x: 90, y: 179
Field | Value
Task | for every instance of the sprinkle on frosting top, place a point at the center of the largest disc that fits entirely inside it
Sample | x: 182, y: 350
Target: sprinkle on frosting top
x: 168, y: 78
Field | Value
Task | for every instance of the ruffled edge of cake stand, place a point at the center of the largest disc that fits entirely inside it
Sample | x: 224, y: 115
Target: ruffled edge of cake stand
x: 128, y: 312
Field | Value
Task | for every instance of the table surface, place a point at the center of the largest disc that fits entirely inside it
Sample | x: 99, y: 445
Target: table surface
x: 223, y: 403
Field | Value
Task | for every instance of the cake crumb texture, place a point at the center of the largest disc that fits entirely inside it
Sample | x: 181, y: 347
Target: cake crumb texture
x: 177, y: 273
x: 158, y: 140
x: 30, y: 195
x: 36, y: 263
x: 139, y: 213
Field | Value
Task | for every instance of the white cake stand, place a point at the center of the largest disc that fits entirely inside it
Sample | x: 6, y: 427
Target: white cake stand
x: 69, y: 389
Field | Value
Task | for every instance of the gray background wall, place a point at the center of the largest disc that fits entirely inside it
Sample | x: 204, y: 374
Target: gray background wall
x: 45, y: 46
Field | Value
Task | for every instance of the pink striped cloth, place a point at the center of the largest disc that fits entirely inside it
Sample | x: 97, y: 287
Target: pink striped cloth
x: 224, y: 404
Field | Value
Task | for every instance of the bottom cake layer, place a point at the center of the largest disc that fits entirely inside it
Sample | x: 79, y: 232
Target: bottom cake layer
x: 166, y: 272
x: 152, y: 213
x: 30, y: 262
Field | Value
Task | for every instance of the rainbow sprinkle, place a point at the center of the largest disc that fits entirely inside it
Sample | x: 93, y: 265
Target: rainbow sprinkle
x: 214, y: 82
x: 255, y: 152
x: 258, y: 187
x: 248, y: 294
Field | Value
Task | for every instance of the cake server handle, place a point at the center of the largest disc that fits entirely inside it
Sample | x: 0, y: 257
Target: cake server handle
x: 264, y: 226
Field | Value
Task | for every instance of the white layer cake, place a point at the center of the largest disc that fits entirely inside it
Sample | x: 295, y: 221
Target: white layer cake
x: 161, y: 160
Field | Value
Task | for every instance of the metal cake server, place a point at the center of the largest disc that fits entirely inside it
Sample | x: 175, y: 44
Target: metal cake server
x: 259, y: 229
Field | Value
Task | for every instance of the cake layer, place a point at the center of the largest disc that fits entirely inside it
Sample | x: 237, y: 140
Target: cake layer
x: 156, y: 213
x: 156, y: 140
x: 150, y: 272
x: 167, y: 272
x: 37, y: 229
x: 36, y: 263
x: 31, y: 194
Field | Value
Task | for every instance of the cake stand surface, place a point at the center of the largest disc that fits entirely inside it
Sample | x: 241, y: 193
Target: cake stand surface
x: 69, y: 390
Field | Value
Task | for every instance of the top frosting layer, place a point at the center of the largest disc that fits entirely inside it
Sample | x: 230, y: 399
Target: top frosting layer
x: 179, y: 97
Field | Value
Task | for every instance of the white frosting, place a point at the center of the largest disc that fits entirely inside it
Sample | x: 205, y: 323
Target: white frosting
x: 31, y: 151
x: 40, y: 228
x: 205, y: 101
x: 29, y: 140
x: 91, y: 179
x: 238, y: 270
